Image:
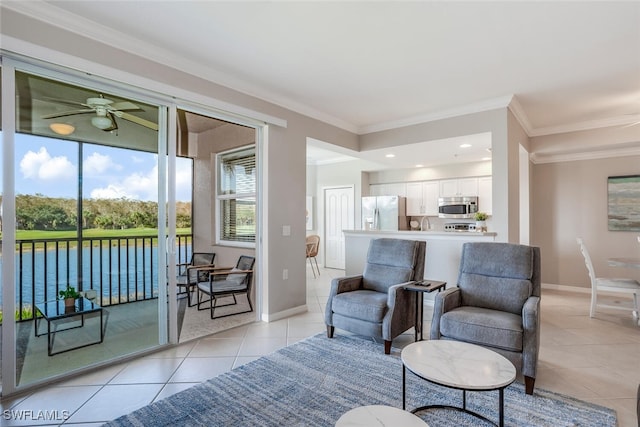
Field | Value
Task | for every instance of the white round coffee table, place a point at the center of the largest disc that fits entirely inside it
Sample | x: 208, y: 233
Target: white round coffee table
x: 458, y: 365
x: 379, y: 415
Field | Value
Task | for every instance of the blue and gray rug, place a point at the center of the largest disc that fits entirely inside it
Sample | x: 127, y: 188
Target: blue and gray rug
x: 315, y: 381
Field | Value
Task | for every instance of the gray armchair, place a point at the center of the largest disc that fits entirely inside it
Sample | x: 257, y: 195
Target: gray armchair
x: 375, y: 303
x: 496, y: 304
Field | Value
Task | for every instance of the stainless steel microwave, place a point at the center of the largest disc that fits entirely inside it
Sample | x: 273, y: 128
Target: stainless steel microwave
x: 457, y: 207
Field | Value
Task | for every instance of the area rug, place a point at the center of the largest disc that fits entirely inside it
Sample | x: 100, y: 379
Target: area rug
x: 315, y: 381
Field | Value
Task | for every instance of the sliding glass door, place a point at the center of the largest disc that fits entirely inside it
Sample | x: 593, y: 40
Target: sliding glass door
x: 89, y: 217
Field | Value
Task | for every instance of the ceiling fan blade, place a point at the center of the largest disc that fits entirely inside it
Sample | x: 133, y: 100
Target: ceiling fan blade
x: 63, y: 101
x: 135, y: 119
x: 67, y: 113
x: 124, y: 106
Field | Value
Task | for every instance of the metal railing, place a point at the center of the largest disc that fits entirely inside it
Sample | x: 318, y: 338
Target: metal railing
x: 118, y: 270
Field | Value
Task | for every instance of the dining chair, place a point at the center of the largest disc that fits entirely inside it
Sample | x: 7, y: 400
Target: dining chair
x: 607, y: 284
x: 313, y: 245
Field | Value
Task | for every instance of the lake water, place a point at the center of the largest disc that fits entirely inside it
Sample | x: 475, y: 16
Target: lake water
x: 120, y: 273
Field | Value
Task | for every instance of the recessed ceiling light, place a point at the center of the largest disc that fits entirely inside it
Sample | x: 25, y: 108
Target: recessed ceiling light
x: 62, y: 128
x: 419, y: 166
x: 465, y: 145
x: 486, y: 158
x: 390, y: 155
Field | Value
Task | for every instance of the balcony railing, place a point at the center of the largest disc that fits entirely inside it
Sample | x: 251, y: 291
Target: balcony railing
x: 118, y: 270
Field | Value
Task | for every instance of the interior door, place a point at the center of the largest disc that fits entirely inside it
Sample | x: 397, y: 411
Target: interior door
x: 339, y: 214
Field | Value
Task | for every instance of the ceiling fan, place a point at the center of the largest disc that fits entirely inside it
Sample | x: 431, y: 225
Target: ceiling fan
x: 105, y: 111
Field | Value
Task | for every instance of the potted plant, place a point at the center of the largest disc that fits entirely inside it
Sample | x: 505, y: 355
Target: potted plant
x: 481, y: 218
x: 69, y: 296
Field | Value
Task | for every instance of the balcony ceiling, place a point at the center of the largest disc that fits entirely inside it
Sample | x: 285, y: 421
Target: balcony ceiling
x: 366, y: 66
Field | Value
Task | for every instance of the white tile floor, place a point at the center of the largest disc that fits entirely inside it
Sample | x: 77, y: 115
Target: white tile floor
x: 597, y: 360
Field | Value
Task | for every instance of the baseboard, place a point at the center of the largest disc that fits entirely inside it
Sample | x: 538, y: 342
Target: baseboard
x: 566, y: 288
x: 284, y: 314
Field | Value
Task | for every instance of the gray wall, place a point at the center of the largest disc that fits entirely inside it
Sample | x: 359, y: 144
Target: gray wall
x: 569, y: 200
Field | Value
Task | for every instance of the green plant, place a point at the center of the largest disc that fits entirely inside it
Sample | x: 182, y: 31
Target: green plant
x: 481, y: 216
x: 70, y: 292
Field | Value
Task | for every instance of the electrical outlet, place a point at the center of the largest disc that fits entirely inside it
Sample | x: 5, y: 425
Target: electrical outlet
x: 285, y: 274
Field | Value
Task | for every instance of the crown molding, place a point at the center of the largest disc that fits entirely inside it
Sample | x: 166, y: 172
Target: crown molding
x: 516, y: 108
x: 628, y: 119
x: 587, y: 155
x: 487, y: 105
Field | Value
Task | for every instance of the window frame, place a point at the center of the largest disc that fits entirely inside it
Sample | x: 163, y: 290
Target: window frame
x: 220, y: 197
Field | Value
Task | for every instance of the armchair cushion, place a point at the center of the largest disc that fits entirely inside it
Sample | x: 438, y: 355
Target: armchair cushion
x: 489, y: 292
x: 483, y: 326
x: 389, y: 262
x: 235, y: 277
x: 362, y: 304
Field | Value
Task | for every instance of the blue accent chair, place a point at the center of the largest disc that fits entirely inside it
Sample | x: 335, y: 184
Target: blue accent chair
x: 496, y: 304
x: 375, y: 302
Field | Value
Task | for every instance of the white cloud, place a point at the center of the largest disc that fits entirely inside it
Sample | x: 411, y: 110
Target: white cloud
x: 112, y: 191
x: 144, y: 185
x: 138, y: 186
x: 42, y: 166
x: 98, y: 163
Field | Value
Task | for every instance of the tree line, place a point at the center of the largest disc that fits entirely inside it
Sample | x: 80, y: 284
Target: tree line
x: 39, y: 212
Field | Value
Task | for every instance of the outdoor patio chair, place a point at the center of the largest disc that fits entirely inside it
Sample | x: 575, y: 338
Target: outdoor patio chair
x: 227, y: 282
x: 190, y: 274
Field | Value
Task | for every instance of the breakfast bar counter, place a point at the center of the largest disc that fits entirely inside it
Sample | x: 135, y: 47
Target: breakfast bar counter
x: 442, y: 259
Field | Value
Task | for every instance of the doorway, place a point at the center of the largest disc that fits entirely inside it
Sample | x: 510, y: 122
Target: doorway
x: 220, y: 225
x: 339, y: 214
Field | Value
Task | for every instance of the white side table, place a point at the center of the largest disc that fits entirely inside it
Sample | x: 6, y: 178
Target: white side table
x: 460, y: 366
x: 379, y: 415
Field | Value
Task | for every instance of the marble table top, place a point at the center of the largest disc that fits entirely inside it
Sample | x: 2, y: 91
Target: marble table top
x: 379, y: 416
x: 458, y: 364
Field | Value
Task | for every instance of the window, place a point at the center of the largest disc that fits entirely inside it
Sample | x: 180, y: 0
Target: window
x: 236, y: 196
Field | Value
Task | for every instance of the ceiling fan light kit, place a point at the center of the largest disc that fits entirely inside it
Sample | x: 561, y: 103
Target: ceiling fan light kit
x: 62, y: 128
x: 101, y: 122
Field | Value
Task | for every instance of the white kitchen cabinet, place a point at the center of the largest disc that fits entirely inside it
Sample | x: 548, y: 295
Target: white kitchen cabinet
x: 422, y: 198
x: 485, y: 200
x: 459, y: 187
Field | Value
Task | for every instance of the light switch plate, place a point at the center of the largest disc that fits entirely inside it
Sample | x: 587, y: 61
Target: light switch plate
x: 286, y: 230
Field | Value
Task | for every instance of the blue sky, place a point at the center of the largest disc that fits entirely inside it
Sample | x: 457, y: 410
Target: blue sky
x: 50, y: 167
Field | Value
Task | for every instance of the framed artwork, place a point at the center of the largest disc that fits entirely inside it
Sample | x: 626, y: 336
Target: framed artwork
x: 309, y: 213
x: 624, y: 203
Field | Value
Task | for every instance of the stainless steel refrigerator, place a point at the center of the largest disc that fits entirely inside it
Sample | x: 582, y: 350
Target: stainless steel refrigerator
x: 384, y: 213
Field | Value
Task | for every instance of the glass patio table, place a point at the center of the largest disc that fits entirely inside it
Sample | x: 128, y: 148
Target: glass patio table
x: 54, y: 312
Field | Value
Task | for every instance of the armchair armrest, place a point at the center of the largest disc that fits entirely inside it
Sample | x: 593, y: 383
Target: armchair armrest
x: 443, y: 302
x: 200, y: 267
x: 531, y: 336
x: 345, y: 284
x: 401, y: 313
x: 227, y: 272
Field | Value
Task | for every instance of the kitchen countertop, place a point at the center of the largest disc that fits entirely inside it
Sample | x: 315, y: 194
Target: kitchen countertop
x: 427, y: 234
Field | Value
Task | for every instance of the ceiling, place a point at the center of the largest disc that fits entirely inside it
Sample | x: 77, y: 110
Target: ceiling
x: 367, y: 66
